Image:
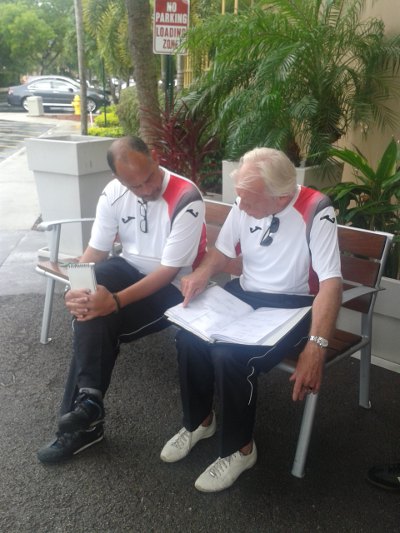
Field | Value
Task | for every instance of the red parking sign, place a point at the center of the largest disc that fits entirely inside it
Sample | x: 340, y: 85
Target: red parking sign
x: 171, y: 21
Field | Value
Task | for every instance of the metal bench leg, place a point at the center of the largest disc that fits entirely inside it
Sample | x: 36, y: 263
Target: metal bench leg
x: 304, y: 435
x: 365, y: 370
x: 47, y: 311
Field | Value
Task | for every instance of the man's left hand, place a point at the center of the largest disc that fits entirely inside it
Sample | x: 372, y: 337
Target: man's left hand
x: 99, y: 303
x: 309, y: 370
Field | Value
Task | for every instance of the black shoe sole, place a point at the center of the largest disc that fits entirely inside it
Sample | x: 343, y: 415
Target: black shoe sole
x: 52, y: 459
x: 71, y: 425
x: 99, y: 439
x: 380, y: 485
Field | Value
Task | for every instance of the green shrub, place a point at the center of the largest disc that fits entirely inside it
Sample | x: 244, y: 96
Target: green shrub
x: 113, y: 131
x: 107, y: 119
x: 128, y: 111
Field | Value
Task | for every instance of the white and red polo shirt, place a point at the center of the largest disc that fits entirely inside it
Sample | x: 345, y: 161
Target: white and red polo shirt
x: 176, y: 234
x: 303, y: 251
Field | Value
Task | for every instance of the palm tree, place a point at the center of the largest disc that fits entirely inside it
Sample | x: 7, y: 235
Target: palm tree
x: 141, y: 47
x: 106, y: 21
x: 122, y: 29
x: 295, y: 74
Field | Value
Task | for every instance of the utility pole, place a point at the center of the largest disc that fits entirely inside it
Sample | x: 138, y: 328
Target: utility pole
x: 81, y: 63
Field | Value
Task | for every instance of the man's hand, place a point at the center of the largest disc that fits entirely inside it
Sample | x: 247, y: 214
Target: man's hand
x: 309, y: 370
x: 192, y: 285
x: 86, y: 306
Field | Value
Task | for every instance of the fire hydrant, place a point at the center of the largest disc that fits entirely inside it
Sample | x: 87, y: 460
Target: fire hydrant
x: 76, y: 103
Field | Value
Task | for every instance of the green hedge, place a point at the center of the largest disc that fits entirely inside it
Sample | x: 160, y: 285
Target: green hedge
x: 113, y: 131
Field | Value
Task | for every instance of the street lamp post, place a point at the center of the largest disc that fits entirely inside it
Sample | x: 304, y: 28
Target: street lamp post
x: 81, y: 63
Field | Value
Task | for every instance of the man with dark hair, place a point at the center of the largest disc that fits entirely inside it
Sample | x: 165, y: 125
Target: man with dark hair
x: 159, y: 218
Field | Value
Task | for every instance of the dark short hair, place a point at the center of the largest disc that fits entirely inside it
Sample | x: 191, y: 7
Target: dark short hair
x: 123, y: 145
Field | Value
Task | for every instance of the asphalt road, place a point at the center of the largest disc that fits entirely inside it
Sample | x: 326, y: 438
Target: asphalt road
x: 13, y: 135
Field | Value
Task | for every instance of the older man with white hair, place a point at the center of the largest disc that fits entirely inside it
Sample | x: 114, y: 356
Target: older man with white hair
x: 287, y: 235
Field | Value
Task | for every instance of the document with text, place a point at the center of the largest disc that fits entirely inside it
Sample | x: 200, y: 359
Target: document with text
x: 216, y: 315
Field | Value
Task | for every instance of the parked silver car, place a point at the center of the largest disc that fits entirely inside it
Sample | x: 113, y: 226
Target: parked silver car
x: 56, y: 91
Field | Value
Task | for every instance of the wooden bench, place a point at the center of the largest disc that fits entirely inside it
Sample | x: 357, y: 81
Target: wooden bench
x: 363, y: 256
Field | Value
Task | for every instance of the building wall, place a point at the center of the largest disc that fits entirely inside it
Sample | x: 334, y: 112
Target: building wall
x: 376, y: 140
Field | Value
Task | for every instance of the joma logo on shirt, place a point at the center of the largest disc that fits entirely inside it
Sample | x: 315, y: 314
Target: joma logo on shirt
x: 256, y: 228
x: 327, y: 217
x: 127, y: 219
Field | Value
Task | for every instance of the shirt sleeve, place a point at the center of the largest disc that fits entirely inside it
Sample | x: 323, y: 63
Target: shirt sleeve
x: 105, y: 226
x: 324, y: 245
x: 229, y: 236
x: 182, y: 245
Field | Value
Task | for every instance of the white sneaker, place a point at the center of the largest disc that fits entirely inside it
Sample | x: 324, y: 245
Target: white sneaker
x: 224, y: 471
x: 180, y: 445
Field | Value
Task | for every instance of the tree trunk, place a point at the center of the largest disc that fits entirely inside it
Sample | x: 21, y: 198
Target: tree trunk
x: 145, y: 67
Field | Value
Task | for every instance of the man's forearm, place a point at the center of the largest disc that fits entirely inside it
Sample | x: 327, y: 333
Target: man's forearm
x: 309, y: 369
x: 326, y: 308
x: 195, y: 283
x: 213, y: 263
x: 92, y: 255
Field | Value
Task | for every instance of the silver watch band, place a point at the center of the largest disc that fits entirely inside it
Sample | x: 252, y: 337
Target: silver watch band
x: 321, y: 341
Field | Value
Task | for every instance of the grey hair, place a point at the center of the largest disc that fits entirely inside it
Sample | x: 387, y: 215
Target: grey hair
x: 273, y: 167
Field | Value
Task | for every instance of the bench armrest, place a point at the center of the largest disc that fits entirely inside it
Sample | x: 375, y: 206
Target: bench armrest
x: 356, y: 292
x: 54, y: 226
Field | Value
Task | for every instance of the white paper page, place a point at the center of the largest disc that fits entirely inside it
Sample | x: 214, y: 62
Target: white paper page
x: 211, y: 309
x: 279, y: 333
x: 265, y: 326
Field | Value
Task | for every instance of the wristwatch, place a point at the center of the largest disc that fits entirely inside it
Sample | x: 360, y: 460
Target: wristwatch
x: 67, y: 288
x: 323, y: 343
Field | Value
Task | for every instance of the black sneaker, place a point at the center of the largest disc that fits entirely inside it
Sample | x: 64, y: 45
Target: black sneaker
x: 88, y: 412
x: 385, y: 476
x: 66, y: 445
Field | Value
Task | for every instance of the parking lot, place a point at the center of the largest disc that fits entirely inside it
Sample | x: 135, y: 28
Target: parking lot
x: 13, y: 133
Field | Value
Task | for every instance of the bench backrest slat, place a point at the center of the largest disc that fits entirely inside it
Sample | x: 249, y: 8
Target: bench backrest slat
x: 361, y: 253
x: 359, y: 270
x: 361, y: 242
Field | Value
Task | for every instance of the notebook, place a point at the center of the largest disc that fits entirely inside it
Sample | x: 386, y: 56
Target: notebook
x: 82, y: 276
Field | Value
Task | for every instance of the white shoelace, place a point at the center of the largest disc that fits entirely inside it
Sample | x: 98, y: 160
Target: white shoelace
x: 220, y: 465
x: 182, y: 438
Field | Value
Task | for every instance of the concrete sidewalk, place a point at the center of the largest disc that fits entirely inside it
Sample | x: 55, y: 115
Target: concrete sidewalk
x: 19, y: 210
x: 121, y: 486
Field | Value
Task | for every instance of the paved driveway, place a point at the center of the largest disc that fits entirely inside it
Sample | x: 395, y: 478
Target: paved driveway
x: 13, y: 135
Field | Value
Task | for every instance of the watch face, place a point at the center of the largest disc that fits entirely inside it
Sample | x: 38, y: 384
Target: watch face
x: 319, y: 340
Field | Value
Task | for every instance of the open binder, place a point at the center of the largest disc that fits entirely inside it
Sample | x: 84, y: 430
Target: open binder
x: 216, y: 315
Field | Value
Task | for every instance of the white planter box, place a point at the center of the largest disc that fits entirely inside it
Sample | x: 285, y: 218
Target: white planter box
x: 70, y: 173
x: 315, y: 177
x: 308, y: 176
x: 385, y: 325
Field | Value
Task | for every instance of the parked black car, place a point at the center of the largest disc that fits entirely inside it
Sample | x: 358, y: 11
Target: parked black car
x: 56, y: 91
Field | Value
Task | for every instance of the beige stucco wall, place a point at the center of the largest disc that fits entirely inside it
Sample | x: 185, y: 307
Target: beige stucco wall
x: 376, y: 140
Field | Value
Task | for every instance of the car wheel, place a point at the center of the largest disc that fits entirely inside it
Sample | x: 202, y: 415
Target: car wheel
x: 24, y: 104
x: 91, y: 105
